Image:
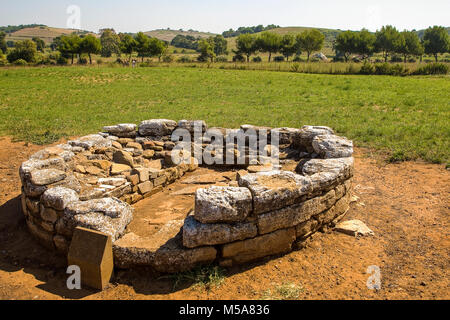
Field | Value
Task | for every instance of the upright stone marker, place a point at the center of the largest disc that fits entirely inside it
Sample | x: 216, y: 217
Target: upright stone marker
x: 92, y: 252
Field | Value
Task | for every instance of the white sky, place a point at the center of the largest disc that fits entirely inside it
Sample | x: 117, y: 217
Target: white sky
x: 218, y: 16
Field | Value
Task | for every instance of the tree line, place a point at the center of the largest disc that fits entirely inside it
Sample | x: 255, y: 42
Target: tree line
x: 389, y: 41
x: 248, y: 30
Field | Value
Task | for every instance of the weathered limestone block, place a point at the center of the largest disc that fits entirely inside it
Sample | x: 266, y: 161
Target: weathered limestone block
x: 145, y: 187
x: 59, y: 198
x: 222, y: 204
x: 61, y: 151
x: 328, y: 173
x: 35, y: 191
x: 354, y: 228
x: 332, y: 147
x: 117, y: 169
x: 123, y: 157
x: 92, y: 252
x: 125, y: 130
x: 90, y: 141
x: 286, y: 135
x: 305, y: 229
x: 305, y: 136
x: 196, y: 234
x: 294, y: 215
x: 48, y: 214
x: 109, y: 215
x: 157, y: 127
x: 116, y: 182
x: 33, y: 206
x: 32, y: 165
x: 252, y: 249
x: 190, y: 125
x: 163, y: 251
x: 275, y: 189
x: 340, y: 208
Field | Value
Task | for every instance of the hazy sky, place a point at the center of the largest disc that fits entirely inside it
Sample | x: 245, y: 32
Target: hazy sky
x: 218, y: 16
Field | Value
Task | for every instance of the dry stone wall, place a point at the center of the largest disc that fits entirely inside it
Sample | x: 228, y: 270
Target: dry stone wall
x: 93, y: 181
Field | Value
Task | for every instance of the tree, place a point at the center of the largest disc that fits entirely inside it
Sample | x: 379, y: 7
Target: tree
x: 410, y: 45
x: 220, y: 45
x: 3, y: 46
x: 69, y: 46
x: 310, y: 41
x: 90, y: 45
x: 365, y: 43
x: 246, y: 45
x: 289, y: 46
x: 40, y: 44
x: 157, y: 48
x: 206, y: 49
x: 25, y: 50
x: 127, y: 45
x: 110, y: 42
x: 347, y: 44
x: 269, y: 42
x: 388, y: 40
x: 436, y: 41
x: 142, y: 45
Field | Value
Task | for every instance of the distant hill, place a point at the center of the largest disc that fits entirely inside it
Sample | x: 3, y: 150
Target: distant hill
x: 44, y: 32
x: 168, y: 34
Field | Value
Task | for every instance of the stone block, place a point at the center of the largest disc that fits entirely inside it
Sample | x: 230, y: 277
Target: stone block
x: 222, y: 204
x: 275, y: 189
x: 92, y: 252
x: 196, y: 234
x: 252, y: 249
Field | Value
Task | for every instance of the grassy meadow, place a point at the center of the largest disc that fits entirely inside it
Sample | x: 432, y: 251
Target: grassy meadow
x: 403, y: 118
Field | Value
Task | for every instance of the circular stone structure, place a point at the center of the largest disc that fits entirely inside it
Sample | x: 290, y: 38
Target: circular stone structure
x: 92, y: 182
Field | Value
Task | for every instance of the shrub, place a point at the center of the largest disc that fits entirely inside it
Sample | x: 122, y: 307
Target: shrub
x: 23, y: 50
x: 278, y: 59
x: 238, y: 58
x: 222, y: 59
x: 298, y: 59
x: 99, y: 61
x: 62, y: 61
x: 396, y: 59
x: 82, y: 60
x: 412, y: 60
x: 367, y: 68
x: 20, y: 62
x: 295, y: 67
x: 167, y: 58
x: 184, y: 59
x: 257, y: 59
x: 391, y: 70
x: 432, y: 69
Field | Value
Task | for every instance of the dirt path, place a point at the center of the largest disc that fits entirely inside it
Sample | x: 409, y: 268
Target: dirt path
x: 406, y: 205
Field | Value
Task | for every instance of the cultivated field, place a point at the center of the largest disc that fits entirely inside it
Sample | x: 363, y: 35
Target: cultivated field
x: 401, y: 118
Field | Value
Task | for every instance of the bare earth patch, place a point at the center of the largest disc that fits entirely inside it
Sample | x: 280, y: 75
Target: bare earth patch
x: 406, y: 205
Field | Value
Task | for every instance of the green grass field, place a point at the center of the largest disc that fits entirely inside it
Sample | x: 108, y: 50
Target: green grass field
x: 403, y: 118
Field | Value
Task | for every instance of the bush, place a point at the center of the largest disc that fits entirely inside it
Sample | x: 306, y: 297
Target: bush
x: 367, y: 68
x: 99, y: 61
x: 412, y: 60
x: 82, y: 60
x: 167, y: 59
x: 278, y: 59
x: 239, y: 58
x: 257, y: 59
x: 23, y: 50
x: 184, y: 59
x: 62, y: 61
x: 295, y: 67
x: 432, y: 69
x: 396, y: 59
x: 222, y: 59
x: 20, y: 62
x: 391, y: 70
x: 298, y: 59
